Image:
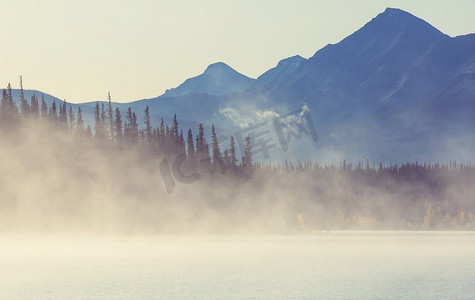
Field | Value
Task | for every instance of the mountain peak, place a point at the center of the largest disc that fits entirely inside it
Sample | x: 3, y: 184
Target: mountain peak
x: 217, y: 79
x: 218, y: 66
x: 393, y: 11
x: 395, y: 19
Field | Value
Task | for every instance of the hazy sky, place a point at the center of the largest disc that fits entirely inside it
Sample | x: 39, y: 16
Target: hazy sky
x: 79, y: 50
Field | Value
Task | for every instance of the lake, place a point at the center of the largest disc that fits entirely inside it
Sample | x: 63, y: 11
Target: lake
x: 333, y: 265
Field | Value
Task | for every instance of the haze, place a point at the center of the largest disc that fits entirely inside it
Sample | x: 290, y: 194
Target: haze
x: 80, y: 50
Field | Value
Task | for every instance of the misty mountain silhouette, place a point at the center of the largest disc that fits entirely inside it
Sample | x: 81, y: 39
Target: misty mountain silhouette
x: 396, y: 90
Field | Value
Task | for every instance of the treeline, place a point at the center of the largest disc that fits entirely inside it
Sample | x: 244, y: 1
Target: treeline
x: 110, y: 130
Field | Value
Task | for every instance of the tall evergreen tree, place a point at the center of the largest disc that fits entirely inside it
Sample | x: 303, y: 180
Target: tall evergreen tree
x: 110, y: 117
x: 161, y: 134
x: 190, y: 145
x: 79, y: 129
x: 174, y: 131
x: 11, y: 114
x: 25, y: 108
x: 200, y: 139
x: 118, y: 126
x: 217, y: 158
x: 53, y: 114
x: 148, y: 127
x: 104, y: 122
x: 98, y: 126
x: 232, y: 154
x: 131, y: 127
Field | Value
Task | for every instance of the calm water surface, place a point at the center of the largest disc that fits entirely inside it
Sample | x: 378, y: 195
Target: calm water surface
x: 337, y: 265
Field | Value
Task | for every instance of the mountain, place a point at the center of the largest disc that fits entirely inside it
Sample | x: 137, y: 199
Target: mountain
x: 217, y: 79
x: 282, y: 71
x: 396, y: 90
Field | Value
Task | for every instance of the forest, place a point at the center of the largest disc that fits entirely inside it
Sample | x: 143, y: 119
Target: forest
x: 57, y: 174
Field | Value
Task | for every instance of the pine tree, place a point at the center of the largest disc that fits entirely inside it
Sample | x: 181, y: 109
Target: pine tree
x: 25, y: 108
x: 104, y: 122
x: 232, y: 154
x: 118, y: 126
x: 110, y: 118
x: 11, y: 116
x: 174, y: 131
x: 190, y: 146
x: 98, y: 127
x: 200, y: 139
x: 131, y: 127
x: 161, y: 135
x: 217, y: 158
x: 148, y: 127
x: 79, y: 130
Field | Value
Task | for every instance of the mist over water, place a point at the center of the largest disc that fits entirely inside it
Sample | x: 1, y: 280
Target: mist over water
x: 336, y: 265
x: 54, y: 182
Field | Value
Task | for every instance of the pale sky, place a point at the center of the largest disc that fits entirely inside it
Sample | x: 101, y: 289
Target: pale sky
x: 79, y: 50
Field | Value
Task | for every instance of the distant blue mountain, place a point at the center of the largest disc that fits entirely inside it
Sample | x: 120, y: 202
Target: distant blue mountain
x: 217, y: 79
x: 395, y: 90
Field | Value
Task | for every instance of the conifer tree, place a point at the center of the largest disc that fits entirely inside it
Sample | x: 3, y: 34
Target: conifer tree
x: 25, y: 108
x: 232, y: 154
x: 131, y: 127
x: 217, y: 158
x: 118, y: 125
x: 79, y: 129
x: 110, y: 118
x: 148, y: 127
x: 200, y: 140
x: 161, y: 134
x: 190, y: 146
x: 104, y: 122
x: 174, y: 130
x: 98, y: 127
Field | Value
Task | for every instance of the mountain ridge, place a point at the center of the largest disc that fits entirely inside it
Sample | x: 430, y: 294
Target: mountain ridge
x: 397, y: 89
